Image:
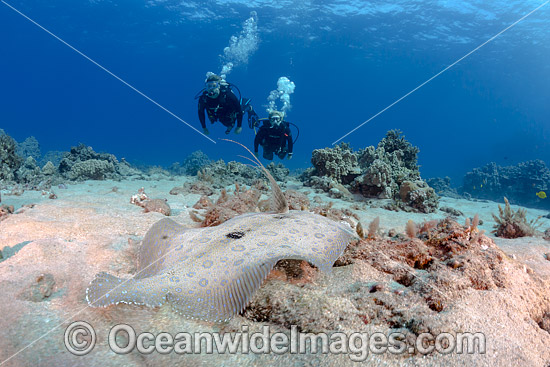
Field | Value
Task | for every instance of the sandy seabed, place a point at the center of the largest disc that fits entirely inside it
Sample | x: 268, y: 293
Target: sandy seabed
x: 52, y: 250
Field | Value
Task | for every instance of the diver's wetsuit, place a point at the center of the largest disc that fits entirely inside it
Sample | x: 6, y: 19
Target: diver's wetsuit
x: 225, y: 108
x: 276, y: 140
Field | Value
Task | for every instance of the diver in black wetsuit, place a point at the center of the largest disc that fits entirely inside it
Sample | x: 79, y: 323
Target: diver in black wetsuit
x: 220, y: 104
x: 275, y: 137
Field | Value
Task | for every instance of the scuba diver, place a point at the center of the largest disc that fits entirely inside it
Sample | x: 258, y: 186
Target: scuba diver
x: 274, y: 136
x: 221, y: 104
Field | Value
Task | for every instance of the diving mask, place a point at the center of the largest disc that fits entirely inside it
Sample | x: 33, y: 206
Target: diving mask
x: 212, y: 87
x: 275, y: 120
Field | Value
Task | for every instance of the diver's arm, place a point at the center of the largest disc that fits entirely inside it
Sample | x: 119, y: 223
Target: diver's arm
x: 202, y: 106
x: 239, y: 119
x: 289, y: 139
x: 235, y: 106
x: 258, y: 139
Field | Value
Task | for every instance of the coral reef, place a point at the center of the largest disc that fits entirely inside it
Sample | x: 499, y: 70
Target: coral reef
x: 30, y: 177
x: 83, y: 163
x: 338, y: 163
x: 397, y: 150
x: 328, y: 185
x: 510, y: 224
x: 90, y: 169
x: 192, y: 164
x: 389, y: 171
x: 442, y: 186
x: 519, y: 183
x: 125, y: 169
x: 385, y: 167
x: 9, y: 160
x: 220, y: 175
x: 29, y: 172
x: 418, y: 196
x: 49, y: 169
x: 376, y: 181
x: 279, y: 172
x: 29, y: 148
x: 54, y: 156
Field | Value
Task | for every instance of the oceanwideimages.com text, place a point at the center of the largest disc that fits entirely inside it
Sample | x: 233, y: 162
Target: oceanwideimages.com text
x: 80, y: 340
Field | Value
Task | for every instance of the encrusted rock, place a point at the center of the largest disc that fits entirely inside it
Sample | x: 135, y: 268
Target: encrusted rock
x: 156, y: 205
x: 5, y: 210
x: 452, y: 211
x: 40, y: 289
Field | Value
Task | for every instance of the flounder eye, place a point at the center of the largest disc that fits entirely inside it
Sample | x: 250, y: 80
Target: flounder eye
x: 235, y: 235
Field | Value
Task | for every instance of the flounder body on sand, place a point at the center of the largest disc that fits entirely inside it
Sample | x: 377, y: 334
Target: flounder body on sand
x: 211, y: 273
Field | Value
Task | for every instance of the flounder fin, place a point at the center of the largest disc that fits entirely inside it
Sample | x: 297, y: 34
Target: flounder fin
x: 158, y: 242
x: 106, y: 289
x: 224, y: 302
x: 279, y: 200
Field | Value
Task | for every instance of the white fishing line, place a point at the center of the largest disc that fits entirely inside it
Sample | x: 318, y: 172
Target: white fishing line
x: 441, y: 72
x: 106, y: 70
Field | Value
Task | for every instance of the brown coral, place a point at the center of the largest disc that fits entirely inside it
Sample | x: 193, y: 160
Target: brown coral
x: 296, y: 200
x: 227, y: 207
x: 510, y: 224
x: 338, y: 215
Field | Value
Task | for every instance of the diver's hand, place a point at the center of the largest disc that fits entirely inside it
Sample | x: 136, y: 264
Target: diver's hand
x: 205, y: 131
x: 289, y: 157
x: 238, y: 130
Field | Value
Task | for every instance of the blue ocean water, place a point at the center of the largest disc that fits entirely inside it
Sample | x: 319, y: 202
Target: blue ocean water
x: 348, y: 61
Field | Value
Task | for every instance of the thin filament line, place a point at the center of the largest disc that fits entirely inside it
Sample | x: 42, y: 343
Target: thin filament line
x: 441, y: 72
x: 106, y: 70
